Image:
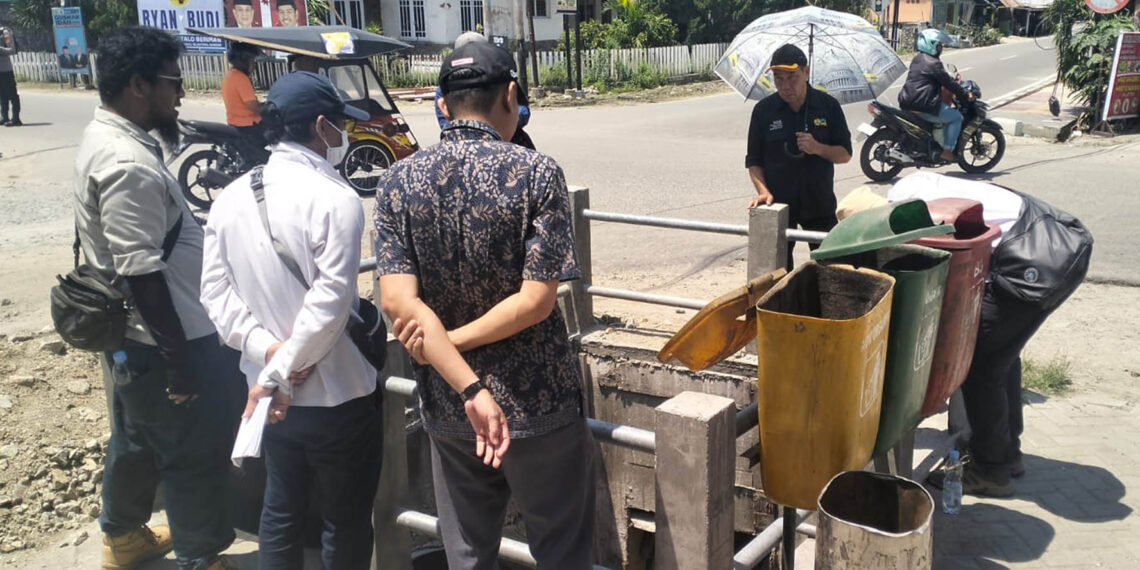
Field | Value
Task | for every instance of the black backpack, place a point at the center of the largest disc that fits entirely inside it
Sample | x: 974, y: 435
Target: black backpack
x: 1044, y: 257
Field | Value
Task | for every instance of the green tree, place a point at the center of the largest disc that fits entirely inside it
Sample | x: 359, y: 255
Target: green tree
x: 1086, y: 44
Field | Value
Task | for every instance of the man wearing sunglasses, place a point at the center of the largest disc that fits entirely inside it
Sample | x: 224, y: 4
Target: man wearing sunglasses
x: 176, y: 405
x: 795, y: 139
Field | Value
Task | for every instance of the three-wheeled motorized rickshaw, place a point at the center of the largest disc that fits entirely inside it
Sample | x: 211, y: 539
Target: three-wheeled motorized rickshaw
x: 342, y: 54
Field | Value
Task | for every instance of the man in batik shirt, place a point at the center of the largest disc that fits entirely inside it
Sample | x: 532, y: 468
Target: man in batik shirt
x: 473, y: 238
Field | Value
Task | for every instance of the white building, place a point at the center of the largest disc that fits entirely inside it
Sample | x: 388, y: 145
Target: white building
x: 439, y: 22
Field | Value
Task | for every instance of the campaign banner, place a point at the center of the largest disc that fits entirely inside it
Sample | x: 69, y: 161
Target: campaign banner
x: 265, y: 13
x: 566, y: 7
x: 175, y: 16
x: 70, y: 41
x: 1123, y: 99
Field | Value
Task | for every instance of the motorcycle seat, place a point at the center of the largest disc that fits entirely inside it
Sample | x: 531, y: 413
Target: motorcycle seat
x: 924, y: 123
x: 219, y: 130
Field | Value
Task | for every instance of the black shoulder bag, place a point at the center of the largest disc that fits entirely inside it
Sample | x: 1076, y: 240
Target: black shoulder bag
x: 1044, y: 257
x: 368, y: 333
x: 90, y: 313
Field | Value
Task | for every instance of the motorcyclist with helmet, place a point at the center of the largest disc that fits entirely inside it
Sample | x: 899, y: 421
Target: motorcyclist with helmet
x: 922, y: 92
x: 243, y: 109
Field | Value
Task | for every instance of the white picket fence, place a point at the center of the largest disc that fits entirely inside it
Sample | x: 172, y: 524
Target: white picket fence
x: 205, y: 71
x: 615, y: 64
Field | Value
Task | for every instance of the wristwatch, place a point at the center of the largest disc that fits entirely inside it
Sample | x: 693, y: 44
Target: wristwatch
x: 471, y: 390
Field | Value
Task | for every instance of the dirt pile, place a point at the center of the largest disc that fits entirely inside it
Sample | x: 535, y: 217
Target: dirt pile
x: 53, y: 437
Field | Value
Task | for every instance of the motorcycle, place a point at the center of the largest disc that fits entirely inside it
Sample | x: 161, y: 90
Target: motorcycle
x: 204, y: 173
x: 898, y: 139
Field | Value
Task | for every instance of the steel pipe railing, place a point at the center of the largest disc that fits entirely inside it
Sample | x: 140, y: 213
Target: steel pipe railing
x: 805, y: 235
x: 670, y: 223
x: 624, y: 436
x: 760, y: 547
x: 509, y: 549
x: 628, y: 295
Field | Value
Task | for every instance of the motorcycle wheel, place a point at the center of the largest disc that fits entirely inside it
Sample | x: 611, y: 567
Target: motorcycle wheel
x: 872, y: 159
x: 194, y: 186
x: 983, y: 151
x: 363, y: 164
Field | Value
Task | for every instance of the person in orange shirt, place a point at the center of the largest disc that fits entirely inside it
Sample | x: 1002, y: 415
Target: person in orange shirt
x: 243, y: 109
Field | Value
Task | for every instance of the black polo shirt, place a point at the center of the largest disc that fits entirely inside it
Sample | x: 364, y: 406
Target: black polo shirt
x: 805, y: 183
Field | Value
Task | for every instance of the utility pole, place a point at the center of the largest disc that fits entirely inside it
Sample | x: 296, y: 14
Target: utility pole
x: 520, y: 43
x: 533, y: 50
x: 578, y: 42
x: 487, y: 19
x: 895, y: 26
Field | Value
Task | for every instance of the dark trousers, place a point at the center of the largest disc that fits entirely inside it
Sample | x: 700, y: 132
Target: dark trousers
x: 338, y: 450
x: 9, y: 96
x: 823, y: 224
x: 551, y: 478
x: 186, y: 447
x: 992, y: 390
x: 252, y: 144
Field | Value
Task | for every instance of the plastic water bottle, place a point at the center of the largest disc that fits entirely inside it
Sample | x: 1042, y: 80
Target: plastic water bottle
x: 952, y: 486
x: 119, y: 370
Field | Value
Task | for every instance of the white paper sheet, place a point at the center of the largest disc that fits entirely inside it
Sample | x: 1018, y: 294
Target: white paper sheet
x: 248, y: 442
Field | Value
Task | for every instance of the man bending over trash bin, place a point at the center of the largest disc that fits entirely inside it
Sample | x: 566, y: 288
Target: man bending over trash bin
x: 1041, y: 257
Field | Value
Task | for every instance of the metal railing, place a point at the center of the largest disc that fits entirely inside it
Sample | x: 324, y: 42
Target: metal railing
x: 767, y: 233
x: 767, y: 226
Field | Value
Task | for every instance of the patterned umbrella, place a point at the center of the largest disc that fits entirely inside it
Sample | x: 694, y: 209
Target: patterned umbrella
x: 847, y: 57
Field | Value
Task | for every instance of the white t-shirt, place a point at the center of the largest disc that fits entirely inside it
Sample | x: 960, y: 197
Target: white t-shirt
x: 999, y: 206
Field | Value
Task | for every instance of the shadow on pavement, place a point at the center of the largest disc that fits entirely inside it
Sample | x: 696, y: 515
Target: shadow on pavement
x: 1076, y: 492
x: 985, y: 535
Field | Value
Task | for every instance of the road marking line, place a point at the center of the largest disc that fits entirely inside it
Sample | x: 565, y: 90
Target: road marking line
x: 965, y: 69
x: 1008, y: 57
x: 1016, y: 94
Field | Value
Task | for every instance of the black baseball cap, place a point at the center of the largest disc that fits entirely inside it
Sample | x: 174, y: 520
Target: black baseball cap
x: 301, y: 96
x: 487, y: 63
x: 788, y: 58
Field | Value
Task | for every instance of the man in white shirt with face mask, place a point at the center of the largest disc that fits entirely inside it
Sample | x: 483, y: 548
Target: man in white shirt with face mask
x: 325, y: 421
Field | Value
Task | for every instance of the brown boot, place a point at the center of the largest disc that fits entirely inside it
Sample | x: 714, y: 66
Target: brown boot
x: 221, y: 563
x: 128, y: 550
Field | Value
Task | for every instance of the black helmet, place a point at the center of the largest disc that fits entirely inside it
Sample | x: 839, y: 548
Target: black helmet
x: 237, y: 50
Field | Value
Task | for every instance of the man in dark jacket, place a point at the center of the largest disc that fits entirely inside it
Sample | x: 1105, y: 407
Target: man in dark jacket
x: 922, y: 92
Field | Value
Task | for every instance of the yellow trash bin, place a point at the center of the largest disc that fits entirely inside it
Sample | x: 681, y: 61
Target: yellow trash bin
x: 822, y: 344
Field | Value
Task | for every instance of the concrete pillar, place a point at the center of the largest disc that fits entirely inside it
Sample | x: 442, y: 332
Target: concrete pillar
x: 696, y: 457
x: 583, y: 304
x: 393, y: 543
x: 767, y: 246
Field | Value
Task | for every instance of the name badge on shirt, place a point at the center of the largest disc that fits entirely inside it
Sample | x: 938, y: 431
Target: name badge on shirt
x: 777, y: 125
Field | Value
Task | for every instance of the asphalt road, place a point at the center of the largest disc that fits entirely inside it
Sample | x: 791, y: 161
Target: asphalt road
x: 681, y: 158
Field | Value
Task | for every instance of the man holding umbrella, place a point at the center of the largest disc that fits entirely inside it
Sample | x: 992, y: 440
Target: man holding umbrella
x: 795, y: 139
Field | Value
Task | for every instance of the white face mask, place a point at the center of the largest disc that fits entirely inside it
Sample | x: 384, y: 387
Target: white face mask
x: 336, y: 154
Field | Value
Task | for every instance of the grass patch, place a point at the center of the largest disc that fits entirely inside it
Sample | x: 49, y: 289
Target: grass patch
x: 1050, y: 378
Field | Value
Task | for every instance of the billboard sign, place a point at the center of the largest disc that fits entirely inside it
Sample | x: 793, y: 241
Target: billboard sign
x: 1123, y: 99
x: 175, y: 16
x: 265, y: 13
x: 567, y: 7
x: 70, y: 41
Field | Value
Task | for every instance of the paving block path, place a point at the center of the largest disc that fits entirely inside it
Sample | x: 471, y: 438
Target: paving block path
x: 1072, y: 509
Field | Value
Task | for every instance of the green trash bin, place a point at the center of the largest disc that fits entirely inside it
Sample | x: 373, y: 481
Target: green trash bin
x: 871, y: 239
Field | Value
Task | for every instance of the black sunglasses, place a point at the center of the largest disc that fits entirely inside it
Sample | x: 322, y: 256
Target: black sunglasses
x: 176, y: 79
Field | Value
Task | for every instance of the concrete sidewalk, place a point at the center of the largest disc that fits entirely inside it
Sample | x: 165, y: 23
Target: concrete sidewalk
x: 1030, y: 116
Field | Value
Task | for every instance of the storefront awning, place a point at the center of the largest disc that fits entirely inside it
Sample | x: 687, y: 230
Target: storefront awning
x: 1027, y: 4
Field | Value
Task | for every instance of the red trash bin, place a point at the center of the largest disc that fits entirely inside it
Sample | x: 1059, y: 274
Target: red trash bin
x: 969, y: 247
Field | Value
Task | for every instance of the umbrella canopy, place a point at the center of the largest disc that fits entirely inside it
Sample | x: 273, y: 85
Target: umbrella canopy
x: 846, y: 55
x: 325, y: 42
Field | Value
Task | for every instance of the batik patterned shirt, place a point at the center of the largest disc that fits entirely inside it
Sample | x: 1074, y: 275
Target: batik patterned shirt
x: 471, y: 218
